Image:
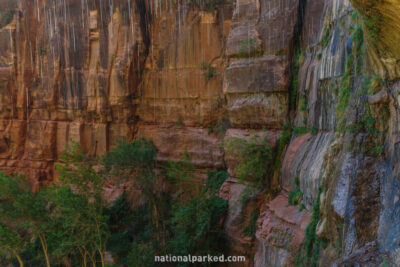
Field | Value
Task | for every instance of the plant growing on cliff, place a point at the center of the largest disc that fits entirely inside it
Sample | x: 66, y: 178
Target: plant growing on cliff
x: 373, y: 24
x: 219, y: 128
x: 215, y: 180
x: 255, y: 159
x: 209, y: 71
x: 309, y: 251
x: 295, y: 197
x: 327, y: 31
x: 251, y: 228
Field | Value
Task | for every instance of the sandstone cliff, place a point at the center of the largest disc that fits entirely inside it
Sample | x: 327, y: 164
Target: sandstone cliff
x: 189, y: 78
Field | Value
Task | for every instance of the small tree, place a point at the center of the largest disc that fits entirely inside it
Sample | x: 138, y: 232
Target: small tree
x: 181, y: 175
x: 196, y: 226
x: 11, y: 242
x: 25, y: 209
x: 136, y: 162
x: 79, y: 206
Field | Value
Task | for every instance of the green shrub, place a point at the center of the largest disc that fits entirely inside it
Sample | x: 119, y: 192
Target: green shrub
x: 70, y: 220
x: 295, y: 197
x: 314, y: 130
x: 195, y: 227
x: 255, y: 158
x: 302, y: 207
x: 209, y: 70
x: 215, y: 180
x: 220, y: 127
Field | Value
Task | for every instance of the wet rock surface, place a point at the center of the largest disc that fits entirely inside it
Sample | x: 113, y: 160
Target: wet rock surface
x: 96, y: 72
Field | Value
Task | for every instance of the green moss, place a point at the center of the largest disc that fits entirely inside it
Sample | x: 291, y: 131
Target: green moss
x: 358, y: 47
x: 250, y: 229
x: 374, y: 84
x: 327, y: 36
x: 372, y: 23
x: 353, y: 66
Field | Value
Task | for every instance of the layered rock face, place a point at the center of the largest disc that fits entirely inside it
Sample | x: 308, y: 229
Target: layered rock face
x: 97, y: 71
x: 69, y: 70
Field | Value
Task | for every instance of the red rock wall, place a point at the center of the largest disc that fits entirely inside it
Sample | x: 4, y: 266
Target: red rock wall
x: 69, y: 70
x: 96, y: 71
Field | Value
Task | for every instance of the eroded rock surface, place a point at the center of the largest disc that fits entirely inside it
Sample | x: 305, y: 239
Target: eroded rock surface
x: 96, y: 72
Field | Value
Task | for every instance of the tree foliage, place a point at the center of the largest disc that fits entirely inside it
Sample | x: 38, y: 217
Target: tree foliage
x: 70, y: 223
